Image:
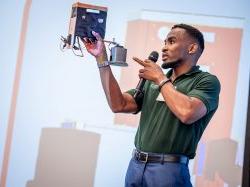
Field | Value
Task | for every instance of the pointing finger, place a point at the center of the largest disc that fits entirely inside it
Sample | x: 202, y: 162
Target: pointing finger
x: 148, y: 61
x: 141, y: 62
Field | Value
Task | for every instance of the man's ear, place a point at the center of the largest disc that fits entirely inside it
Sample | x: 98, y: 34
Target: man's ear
x: 193, y: 48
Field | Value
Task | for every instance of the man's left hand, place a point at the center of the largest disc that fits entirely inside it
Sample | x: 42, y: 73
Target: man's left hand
x: 151, y: 70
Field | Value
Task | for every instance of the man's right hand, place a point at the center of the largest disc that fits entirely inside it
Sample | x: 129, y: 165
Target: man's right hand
x: 96, y: 48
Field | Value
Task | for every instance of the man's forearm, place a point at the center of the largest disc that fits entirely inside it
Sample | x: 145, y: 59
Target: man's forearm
x: 112, y: 90
x: 187, y: 109
x: 110, y: 86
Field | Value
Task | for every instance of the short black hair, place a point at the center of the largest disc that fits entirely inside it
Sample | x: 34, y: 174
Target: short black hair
x: 193, y: 32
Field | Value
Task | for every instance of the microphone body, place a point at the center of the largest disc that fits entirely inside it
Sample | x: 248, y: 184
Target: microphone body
x: 139, y: 88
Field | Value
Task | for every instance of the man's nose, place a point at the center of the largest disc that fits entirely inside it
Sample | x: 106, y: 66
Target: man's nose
x: 165, y: 48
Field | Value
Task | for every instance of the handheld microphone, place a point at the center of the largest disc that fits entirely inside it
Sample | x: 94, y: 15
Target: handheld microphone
x: 139, y: 88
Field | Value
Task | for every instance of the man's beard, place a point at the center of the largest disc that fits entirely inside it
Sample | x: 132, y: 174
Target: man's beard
x: 171, y: 64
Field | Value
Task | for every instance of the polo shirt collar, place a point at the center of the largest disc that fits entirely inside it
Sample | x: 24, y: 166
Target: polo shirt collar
x: 194, y: 69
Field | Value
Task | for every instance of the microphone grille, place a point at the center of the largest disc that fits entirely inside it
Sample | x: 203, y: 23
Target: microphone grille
x: 153, y: 56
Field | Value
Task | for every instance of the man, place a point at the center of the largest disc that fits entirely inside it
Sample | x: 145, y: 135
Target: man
x: 175, y: 109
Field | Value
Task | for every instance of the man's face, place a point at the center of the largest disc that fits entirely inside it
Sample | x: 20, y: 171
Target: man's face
x: 175, y: 48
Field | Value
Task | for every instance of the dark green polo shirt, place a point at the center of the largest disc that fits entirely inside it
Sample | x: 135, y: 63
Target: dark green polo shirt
x: 160, y: 131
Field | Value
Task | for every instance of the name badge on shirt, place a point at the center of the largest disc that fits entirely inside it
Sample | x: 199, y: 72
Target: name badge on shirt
x: 160, y: 97
x: 156, y: 87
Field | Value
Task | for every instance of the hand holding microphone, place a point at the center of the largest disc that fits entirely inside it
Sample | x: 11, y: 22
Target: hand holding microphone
x: 151, y: 71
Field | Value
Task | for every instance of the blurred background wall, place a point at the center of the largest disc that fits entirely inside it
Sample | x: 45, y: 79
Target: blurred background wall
x: 56, y: 128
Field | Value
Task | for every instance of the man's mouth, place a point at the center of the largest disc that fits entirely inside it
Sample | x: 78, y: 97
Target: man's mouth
x: 165, y: 57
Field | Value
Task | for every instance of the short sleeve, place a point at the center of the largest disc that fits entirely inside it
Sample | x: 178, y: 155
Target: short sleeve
x: 207, y: 89
x: 131, y: 92
x: 138, y: 100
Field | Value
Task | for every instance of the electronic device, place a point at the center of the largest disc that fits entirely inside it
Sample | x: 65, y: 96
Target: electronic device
x: 84, y: 19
